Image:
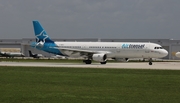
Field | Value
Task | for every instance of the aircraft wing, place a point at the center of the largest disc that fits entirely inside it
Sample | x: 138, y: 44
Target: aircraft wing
x: 80, y: 51
x: 4, y: 54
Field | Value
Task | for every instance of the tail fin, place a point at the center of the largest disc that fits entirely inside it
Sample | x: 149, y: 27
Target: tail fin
x: 40, y: 33
x: 30, y: 53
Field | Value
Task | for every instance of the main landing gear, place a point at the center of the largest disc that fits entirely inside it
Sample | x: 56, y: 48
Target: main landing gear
x: 90, y: 61
x: 103, y: 62
x: 87, y: 61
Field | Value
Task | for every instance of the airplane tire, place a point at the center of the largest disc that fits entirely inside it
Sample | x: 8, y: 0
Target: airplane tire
x: 87, y: 61
x: 103, y: 62
x: 150, y: 63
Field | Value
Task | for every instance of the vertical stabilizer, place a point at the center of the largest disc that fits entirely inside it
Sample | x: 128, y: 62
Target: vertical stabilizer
x: 30, y: 53
x: 40, y: 33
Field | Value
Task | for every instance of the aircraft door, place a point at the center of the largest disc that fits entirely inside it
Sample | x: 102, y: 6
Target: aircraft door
x: 147, y: 51
x: 118, y: 50
x: 84, y: 47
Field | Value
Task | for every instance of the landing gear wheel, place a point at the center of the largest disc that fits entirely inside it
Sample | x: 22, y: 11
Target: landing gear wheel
x: 150, y: 61
x: 103, y: 62
x: 87, y: 61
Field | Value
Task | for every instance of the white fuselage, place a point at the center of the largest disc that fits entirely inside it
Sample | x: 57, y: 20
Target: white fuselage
x: 116, y: 49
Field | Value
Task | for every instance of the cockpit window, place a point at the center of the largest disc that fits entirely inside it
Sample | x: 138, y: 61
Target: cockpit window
x: 158, y: 47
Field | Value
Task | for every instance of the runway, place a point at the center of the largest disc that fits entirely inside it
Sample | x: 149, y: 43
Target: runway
x: 137, y: 65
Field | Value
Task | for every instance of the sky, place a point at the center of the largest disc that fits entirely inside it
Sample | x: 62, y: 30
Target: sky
x: 106, y: 19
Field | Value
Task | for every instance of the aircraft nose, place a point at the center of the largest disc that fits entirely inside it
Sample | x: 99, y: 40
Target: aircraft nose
x: 164, y: 53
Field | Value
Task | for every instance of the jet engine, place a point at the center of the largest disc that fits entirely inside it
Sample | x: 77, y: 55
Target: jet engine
x: 177, y: 54
x: 99, y: 57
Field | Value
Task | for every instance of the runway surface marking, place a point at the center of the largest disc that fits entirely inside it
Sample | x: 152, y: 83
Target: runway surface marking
x: 137, y: 65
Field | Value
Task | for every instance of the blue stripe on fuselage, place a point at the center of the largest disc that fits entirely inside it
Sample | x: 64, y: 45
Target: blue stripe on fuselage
x: 48, y: 47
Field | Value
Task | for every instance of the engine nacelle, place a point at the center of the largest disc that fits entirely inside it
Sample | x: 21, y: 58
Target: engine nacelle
x: 177, y: 54
x: 99, y: 57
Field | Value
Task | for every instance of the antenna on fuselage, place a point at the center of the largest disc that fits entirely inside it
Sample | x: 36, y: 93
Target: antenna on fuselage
x: 99, y: 40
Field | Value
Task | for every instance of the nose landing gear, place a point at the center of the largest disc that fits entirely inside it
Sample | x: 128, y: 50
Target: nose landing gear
x: 150, y: 61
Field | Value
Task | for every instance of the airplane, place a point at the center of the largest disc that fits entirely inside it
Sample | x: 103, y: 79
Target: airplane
x: 177, y: 54
x: 97, y: 51
x: 35, y: 55
x: 11, y: 54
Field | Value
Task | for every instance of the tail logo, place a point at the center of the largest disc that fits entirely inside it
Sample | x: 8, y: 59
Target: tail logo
x: 41, y: 37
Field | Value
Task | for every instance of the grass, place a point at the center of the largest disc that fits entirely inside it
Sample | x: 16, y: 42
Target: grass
x: 82, y: 85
